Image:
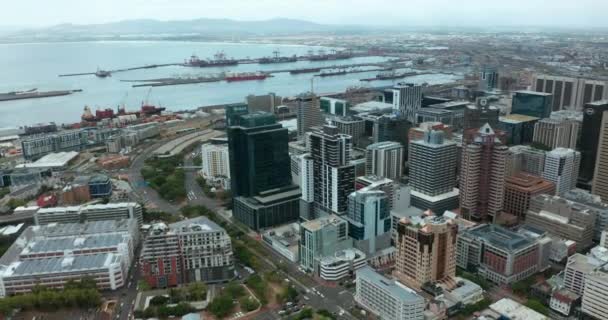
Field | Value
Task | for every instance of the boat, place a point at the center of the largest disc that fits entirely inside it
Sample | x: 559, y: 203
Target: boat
x: 390, y: 76
x: 102, y: 73
x: 219, y: 60
x: 147, y: 109
x: 246, y: 76
x: 34, y: 94
x: 306, y: 70
x: 332, y: 73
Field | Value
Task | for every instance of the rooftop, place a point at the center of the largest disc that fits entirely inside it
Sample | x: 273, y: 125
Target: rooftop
x: 500, y: 237
x: 72, y: 243
x: 516, y: 311
x: 198, y: 224
x: 527, y: 182
x: 319, y: 223
x: 52, y: 160
x: 88, y: 228
x: 395, y: 288
x: 372, y: 106
x: 517, y: 118
x: 534, y: 93
x: 60, y: 264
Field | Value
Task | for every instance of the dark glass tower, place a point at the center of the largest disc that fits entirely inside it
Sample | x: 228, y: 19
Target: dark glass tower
x: 259, y: 158
x: 534, y: 104
x: 590, y: 133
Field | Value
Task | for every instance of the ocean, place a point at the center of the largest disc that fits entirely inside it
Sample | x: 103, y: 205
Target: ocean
x: 37, y: 65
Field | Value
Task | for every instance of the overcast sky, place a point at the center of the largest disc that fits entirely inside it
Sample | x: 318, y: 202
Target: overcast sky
x: 567, y: 13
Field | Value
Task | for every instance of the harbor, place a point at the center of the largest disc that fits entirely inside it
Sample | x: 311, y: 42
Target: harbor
x: 34, y: 94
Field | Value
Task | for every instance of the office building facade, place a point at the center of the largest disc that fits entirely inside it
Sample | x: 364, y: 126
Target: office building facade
x: 351, y: 126
x: 334, y: 175
x: 35, y: 147
x: 369, y: 220
x: 593, y: 117
x: 187, y: 251
x: 426, y: 250
x: 322, y: 237
x: 309, y: 114
x: 482, y: 176
x: 93, y: 212
x: 215, y: 161
x: 557, y: 133
x: 407, y: 99
x: 387, y: 299
x: 562, y: 168
x: 432, y: 163
x: 384, y: 159
x: 599, y: 185
x: 532, y: 103
x: 488, y: 79
x: 520, y: 189
x: 570, y: 93
x: 337, y: 107
x: 477, y: 115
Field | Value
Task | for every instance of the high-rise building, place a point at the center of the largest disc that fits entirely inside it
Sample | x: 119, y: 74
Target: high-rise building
x: 557, y: 133
x: 387, y: 299
x: 216, y: 162
x: 498, y: 254
x: 259, y: 160
x: 260, y: 169
x: 334, y: 175
x: 600, y: 173
x: 307, y: 187
x: 476, y: 115
x: 186, y: 251
x: 322, y: 237
x: 532, y: 103
x: 407, y: 99
x: 482, y: 175
x: 233, y: 111
x: 593, y: 117
x: 426, y: 250
x: 388, y: 186
x: 432, y: 163
x: 369, y: 220
x: 351, y: 126
x: 563, y: 218
x: 595, y: 296
x: 520, y: 189
x: 391, y: 128
x: 571, y: 93
x: 309, y: 114
x: 334, y: 106
x: 488, y: 79
x: 525, y: 159
x: 267, y: 103
x: 561, y: 168
x: 384, y: 159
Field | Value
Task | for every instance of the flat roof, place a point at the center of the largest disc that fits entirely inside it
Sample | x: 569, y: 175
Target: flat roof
x: 534, y: 92
x: 514, y: 310
x: 394, y: 288
x: 60, y: 264
x: 443, y: 196
x: 196, y: 224
x: 372, y: 106
x: 317, y: 224
x: 87, y: 228
x: 517, y: 118
x: 500, y: 237
x: 73, y: 242
x: 52, y: 160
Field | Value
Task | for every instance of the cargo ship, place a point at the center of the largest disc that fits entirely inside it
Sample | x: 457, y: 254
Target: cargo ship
x: 306, y: 70
x: 277, y: 58
x: 335, y: 55
x: 390, y: 76
x: 219, y: 60
x: 332, y: 73
x: 108, y: 113
x: 246, y: 76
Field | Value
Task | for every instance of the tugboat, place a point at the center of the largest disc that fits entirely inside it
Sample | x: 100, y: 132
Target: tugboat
x: 102, y: 73
x: 332, y: 73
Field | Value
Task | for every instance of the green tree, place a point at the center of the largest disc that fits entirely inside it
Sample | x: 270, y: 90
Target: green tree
x: 221, y: 306
x: 248, y: 304
x: 537, y: 306
x: 197, y: 291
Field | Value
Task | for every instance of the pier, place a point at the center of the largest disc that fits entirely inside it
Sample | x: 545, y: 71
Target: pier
x: 33, y: 94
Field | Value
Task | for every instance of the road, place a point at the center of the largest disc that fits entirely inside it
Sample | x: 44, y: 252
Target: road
x: 318, y: 297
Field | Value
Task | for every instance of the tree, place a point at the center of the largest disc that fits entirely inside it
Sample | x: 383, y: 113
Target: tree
x: 248, y: 304
x: 537, y: 306
x: 235, y: 290
x: 159, y: 301
x: 176, y: 295
x: 221, y: 306
x: 197, y: 291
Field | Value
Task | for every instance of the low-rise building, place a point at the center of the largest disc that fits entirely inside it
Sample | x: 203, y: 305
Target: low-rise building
x: 387, y: 299
x: 54, y: 254
x: 95, y: 212
x: 285, y: 240
x: 563, y: 301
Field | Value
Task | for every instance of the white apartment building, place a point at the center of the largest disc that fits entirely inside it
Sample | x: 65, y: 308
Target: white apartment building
x: 561, y: 168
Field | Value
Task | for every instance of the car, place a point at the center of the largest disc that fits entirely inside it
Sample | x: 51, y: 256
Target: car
x: 306, y: 298
x: 282, y: 312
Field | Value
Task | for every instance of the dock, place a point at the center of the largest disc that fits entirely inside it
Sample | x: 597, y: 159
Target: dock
x: 10, y: 96
x: 150, y: 66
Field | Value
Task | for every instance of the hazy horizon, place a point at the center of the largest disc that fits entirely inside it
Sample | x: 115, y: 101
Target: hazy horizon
x: 428, y: 13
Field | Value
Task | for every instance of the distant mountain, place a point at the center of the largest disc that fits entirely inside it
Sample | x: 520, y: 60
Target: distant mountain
x: 202, y: 27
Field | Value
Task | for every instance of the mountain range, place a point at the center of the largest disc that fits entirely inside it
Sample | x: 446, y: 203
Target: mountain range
x: 201, y: 27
